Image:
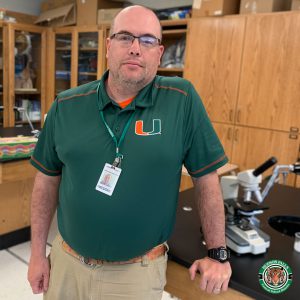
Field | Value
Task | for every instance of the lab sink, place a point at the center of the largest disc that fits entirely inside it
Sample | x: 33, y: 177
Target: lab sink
x: 287, y: 225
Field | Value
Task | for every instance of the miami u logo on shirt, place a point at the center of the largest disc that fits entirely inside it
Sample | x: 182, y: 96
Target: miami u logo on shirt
x: 156, y: 127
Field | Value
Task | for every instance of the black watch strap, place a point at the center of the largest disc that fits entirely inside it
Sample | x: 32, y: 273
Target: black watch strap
x: 220, y: 254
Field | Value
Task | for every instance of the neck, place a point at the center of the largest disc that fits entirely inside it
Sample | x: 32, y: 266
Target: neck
x: 118, y: 92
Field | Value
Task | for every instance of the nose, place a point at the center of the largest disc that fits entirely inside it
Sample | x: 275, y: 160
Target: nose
x: 135, y: 48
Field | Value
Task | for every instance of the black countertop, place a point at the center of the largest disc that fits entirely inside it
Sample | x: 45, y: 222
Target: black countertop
x: 15, y: 131
x: 186, y: 243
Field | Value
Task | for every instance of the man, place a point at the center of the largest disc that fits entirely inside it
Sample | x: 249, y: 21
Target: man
x: 110, y: 157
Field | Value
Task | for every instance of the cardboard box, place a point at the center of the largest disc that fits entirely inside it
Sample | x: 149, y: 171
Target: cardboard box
x: 295, y: 5
x: 263, y: 6
x: 204, y: 8
x: 106, y: 15
x: 88, y: 10
x: 51, y: 4
x: 58, y: 17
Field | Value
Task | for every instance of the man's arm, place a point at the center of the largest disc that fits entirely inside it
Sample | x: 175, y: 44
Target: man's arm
x: 214, y: 275
x: 43, y: 205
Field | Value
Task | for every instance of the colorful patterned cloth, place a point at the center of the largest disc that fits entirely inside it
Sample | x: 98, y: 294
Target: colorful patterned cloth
x: 17, y: 147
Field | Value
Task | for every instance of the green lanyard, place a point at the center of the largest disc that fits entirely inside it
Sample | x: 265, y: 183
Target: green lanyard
x: 119, y: 156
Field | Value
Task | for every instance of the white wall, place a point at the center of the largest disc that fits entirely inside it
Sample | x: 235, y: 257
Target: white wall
x: 31, y: 7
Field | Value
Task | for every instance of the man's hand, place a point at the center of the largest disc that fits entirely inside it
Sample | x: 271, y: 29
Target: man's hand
x: 38, y: 274
x: 214, y: 275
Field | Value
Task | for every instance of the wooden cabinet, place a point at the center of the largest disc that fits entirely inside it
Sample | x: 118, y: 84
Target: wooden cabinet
x: 213, y: 62
x: 16, y: 183
x: 22, y: 74
x: 27, y: 74
x: 252, y: 146
x: 269, y: 95
x: 78, y: 56
x: 174, y: 41
x: 247, y: 71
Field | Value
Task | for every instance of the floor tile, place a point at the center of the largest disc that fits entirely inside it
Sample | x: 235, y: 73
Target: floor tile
x: 13, y: 283
x: 22, y: 251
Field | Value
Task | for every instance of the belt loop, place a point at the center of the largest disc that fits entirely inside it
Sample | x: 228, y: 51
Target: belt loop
x: 167, y: 248
x: 145, y: 261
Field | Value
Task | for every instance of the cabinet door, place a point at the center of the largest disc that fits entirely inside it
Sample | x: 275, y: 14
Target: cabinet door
x: 174, y: 41
x: 252, y: 146
x: 63, y: 61
x: 298, y: 182
x: 270, y: 76
x: 26, y: 71
x: 213, y: 60
x: 225, y: 134
x: 90, y: 52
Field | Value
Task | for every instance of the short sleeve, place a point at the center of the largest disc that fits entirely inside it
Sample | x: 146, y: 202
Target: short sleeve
x: 203, y: 150
x: 45, y: 157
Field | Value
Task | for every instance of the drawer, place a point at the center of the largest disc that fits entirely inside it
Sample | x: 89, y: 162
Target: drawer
x: 12, y: 171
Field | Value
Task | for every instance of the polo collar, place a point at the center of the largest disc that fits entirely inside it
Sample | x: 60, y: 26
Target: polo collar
x: 143, y: 99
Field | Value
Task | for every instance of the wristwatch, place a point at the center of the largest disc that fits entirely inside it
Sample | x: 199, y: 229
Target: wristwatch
x: 220, y: 254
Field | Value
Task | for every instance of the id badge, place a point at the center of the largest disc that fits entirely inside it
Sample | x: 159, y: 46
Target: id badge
x: 108, y: 179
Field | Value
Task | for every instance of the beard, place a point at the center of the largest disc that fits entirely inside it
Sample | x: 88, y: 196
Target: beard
x: 133, y: 83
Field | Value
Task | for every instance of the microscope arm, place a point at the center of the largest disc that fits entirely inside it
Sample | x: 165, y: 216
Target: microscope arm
x: 280, y: 169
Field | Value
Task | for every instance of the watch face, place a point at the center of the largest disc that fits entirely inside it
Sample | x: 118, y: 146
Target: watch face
x: 223, y: 254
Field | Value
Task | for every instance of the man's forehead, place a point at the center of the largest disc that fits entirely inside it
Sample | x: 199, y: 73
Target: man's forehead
x: 137, y: 21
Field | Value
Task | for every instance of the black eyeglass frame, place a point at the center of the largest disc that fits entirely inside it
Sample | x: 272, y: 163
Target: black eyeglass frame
x: 137, y: 37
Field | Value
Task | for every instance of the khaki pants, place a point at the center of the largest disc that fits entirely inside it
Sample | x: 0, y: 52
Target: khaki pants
x: 71, y: 279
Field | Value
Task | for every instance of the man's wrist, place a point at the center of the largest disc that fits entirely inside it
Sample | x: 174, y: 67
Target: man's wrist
x: 221, y: 254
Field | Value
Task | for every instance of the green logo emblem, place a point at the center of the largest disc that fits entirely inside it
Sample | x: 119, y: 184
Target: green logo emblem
x: 275, y: 276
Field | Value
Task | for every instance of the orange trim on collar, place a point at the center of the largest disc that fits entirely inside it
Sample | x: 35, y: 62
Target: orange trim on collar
x: 125, y: 103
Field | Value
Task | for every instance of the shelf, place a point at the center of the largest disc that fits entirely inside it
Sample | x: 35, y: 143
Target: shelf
x: 178, y: 70
x: 63, y: 48
x: 27, y: 92
x: 88, y: 49
x: 88, y: 73
x: 174, y: 22
x: 174, y: 31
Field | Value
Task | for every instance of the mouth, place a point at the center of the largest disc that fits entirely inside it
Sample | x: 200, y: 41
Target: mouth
x: 133, y: 63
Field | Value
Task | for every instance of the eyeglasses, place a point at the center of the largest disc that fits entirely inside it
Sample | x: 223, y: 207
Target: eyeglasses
x: 126, y: 40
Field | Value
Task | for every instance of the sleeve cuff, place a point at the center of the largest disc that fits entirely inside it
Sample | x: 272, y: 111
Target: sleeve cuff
x: 210, y: 167
x: 43, y: 169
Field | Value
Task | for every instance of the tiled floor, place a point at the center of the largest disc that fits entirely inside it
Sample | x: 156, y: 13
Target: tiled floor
x: 13, y: 272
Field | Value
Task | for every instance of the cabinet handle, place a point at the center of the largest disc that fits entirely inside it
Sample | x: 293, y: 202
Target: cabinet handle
x: 231, y: 115
x: 293, y: 136
x: 238, y: 119
x: 294, y: 129
x: 229, y: 133
x: 236, y: 134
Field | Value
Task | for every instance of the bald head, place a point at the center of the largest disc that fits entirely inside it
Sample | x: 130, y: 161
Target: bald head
x: 133, y: 14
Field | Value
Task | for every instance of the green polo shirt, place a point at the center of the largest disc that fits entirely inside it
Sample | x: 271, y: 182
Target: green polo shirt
x: 169, y: 128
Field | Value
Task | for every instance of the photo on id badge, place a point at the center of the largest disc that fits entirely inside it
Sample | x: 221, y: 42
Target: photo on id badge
x: 108, y: 179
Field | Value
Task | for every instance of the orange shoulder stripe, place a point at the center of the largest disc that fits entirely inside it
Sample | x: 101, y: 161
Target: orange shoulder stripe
x: 77, y: 95
x: 171, y: 88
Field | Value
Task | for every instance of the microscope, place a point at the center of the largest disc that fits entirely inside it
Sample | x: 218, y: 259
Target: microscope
x: 243, y: 234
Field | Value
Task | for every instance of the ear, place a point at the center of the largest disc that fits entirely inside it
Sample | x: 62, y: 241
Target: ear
x: 108, y: 43
x: 161, y: 50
